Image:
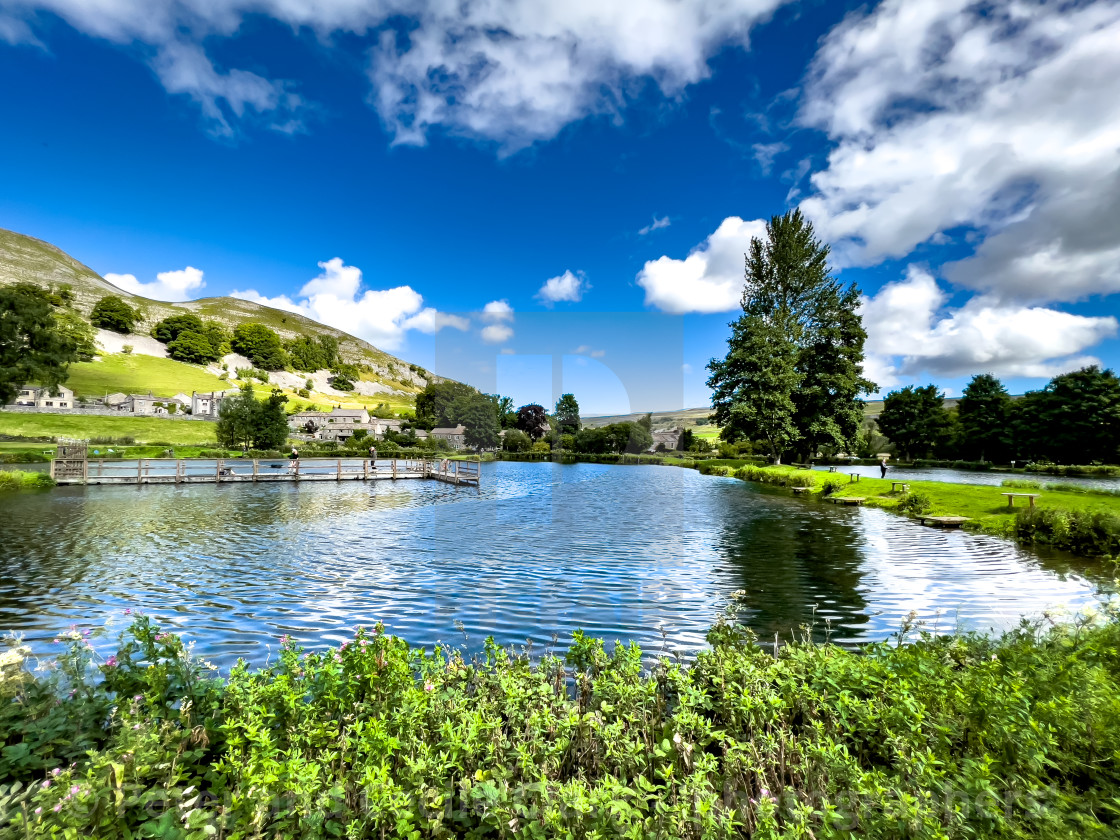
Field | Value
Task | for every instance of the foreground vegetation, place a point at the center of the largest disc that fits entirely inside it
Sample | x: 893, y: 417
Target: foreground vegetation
x: 963, y: 736
x: 1068, y: 517
x: 20, y: 480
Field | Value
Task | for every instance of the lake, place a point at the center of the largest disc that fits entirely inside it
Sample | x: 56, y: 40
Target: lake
x: 624, y: 552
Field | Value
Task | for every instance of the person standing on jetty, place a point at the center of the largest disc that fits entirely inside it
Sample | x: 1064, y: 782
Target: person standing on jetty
x: 883, y: 468
x: 373, y: 458
x: 293, y: 460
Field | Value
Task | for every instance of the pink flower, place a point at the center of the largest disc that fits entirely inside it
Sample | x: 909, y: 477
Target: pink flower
x: 74, y: 789
x: 428, y: 686
x: 58, y: 807
x: 55, y: 772
x: 111, y: 662
x: 128, y: 610
x: 38, y: 810
x: 46, y: 784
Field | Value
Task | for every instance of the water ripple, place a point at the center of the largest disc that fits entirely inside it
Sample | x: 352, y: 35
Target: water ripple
x: 539, y: 549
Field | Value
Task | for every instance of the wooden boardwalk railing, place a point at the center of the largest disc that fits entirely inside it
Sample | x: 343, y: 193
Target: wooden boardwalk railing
x: 222, y: 471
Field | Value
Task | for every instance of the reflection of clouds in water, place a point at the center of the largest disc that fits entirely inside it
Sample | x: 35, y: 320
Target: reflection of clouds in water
x: 539, y: 548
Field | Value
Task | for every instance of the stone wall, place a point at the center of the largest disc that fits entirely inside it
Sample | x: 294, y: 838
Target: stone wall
x: 101, y: 411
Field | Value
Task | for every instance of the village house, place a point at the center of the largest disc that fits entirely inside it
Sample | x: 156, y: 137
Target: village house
x: 32, y: 395
x: 670, y: 439
x: 151, y: 405
x: 206, y: 405
x: 454, y: 436
x: 115, y: 399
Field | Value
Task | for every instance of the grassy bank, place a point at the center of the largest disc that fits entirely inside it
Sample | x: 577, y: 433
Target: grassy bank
x: 84, y: 427
x: 1086, y: 523
x: 137, y: 374
x: 19, y: 480
x: 946, y: 737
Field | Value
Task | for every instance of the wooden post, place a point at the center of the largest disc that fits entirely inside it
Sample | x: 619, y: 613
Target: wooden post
x: 178, y: 471
x: 297, y: 469
x: 139, y: 469
x: 394, y: 469
x: 255, y: 469
x: 365, y: 469
x: 85, y: 470
x: 338, y: 470
x: 217, y: 470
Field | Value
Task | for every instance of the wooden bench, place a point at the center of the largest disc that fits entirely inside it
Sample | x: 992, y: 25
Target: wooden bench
x: 854, y: 478
x: 905, y: 487
x: 832, y: 469
x: 801, y: 489
x: 943, y: 521
x: 1012, y: 496
x: 847, y: 500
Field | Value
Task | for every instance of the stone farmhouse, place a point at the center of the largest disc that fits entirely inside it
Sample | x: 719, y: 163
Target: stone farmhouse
x: 206, y: 405
x: 341, y: 424
x: 669, y: 438
x: 32, y: 395
x: 456, y: 436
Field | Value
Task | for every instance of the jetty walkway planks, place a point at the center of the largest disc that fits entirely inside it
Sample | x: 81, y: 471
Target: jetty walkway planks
x: 230, y: 471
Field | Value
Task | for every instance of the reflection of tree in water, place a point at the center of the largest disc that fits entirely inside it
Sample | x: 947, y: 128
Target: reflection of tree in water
x: 792, y: 558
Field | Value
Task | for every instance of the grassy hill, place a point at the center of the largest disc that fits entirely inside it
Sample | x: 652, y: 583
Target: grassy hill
x: 26, y: 259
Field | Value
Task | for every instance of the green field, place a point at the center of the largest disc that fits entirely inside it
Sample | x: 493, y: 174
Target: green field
x: 144, y: 429
x: 135, y: 374
x: 982, y: 504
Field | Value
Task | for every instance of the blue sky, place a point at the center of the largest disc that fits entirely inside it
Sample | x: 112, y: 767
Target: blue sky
x: 592, y: 171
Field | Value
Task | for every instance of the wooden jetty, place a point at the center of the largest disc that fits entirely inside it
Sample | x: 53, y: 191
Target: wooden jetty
x: 943, y: 521
x: 238, y: 470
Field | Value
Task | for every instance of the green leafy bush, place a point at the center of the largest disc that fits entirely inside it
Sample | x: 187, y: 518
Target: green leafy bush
x: 1026, y: 484
x: 112, y: 313
x: 832, y: 485
x: 1087, y: 533
x: 916, y: 503
x: 801, y: 478
x: 963, y: 736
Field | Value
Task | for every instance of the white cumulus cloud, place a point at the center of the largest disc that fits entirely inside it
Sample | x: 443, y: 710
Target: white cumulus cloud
x: 498, y: 314
x: 168, y: 285
x: 567, y: 287
x: 496, y: 333
x: 512, y: 72
x: 1001, y: 119
x: 912, y: 334
x: 380, y: 316
x: 710, y: 279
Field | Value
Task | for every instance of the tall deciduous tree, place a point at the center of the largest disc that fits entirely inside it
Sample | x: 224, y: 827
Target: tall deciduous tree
x: 479, y: 414
x: 1075, y: 419
x: 112, y: 313
x: 261, y: 345
x: 245, y: 421
x: 567, y: 414
x: 532, y: 419
x: 985, y: 416
x: 793, y: 374
x: 434, y: 403
x: 32, y: 348
x: 914, y: 419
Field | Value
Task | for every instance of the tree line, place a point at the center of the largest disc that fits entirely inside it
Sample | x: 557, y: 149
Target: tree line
x: 1074, y: 419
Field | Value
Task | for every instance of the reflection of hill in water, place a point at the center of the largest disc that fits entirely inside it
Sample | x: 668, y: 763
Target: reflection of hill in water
x: 538, y: 549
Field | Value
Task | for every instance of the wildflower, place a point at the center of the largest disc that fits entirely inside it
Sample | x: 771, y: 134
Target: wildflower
x: 138, y: 697
x: 128, y: 610
x: 111, y: 662
x: 58, y: 807
x: 74, y: 789
x: 677, y: 739
x: 46, y: 784
x: 428, y: 686
x: 38, y: 810
x: 56, y: 772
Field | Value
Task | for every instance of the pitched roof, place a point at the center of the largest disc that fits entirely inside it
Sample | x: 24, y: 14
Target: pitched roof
x: 458, y: 430
x: 348, y: 412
